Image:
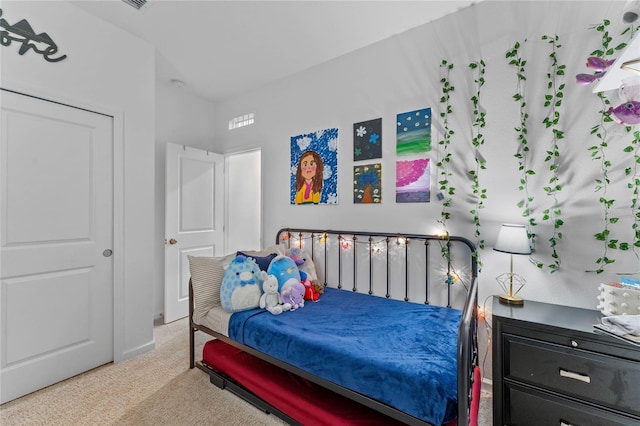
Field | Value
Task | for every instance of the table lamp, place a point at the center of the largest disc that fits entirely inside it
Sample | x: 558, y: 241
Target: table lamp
x: 512, y: 239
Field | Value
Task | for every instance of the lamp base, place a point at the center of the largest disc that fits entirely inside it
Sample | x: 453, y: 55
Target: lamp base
x: 511, y: 300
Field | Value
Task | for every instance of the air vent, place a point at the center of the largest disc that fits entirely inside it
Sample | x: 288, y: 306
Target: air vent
x: 138, y: 4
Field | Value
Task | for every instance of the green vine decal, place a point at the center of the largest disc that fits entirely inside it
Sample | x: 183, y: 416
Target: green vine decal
x: 553, y: 100
x: 477, y: 141
x: 634, y: 185
x: 444, y: 181
x: 598, y: 152
x: 523, y: 148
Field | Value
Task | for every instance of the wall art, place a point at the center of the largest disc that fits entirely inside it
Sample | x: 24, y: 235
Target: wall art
x: 367, y: 184
x: 367, y: 140
x: 413, y: 181
x: 314, y: 168
x: 22, y: 33
x: 413, y: 133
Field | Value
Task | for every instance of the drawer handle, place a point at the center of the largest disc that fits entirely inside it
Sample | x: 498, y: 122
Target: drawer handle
x: 576, y: 376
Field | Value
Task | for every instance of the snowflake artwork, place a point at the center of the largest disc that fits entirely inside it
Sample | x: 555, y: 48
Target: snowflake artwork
x: 314, y: 168
x: 367, y: 140
x: 413, y: 181
x: 413, y: 133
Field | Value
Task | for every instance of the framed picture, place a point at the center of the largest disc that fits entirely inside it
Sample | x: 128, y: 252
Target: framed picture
x: 367, y: 140
x: 413, y: 132
x: 367, y: 184
x: 314, y: 168
x: 413, y: 181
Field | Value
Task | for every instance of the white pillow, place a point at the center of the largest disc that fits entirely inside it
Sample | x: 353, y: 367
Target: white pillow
x: 206, y: 278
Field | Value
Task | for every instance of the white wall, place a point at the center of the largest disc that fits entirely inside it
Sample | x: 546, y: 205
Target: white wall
x: 403, y: 73
x: 243, y: 172
x: 109, y: 71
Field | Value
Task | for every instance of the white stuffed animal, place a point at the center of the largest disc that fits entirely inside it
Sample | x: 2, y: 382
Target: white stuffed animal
x: 271, y: 299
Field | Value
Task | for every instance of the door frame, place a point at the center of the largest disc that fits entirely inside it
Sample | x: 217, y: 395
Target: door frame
x: 118, y: 193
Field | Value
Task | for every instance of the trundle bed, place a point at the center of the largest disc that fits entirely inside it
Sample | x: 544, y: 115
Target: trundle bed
x: 392, y: 340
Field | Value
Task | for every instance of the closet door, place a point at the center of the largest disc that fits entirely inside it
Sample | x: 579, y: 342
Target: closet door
x: 56, y: 236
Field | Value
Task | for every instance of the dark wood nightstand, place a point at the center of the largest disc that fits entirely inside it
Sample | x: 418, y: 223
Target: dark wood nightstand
x: 551, y: 368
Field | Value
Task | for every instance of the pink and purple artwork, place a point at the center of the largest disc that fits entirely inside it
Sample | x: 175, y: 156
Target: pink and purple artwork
x: 413, y: 181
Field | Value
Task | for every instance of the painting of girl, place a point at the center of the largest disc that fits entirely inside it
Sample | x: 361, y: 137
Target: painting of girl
x: 309, y: 178
x: 314, y: 168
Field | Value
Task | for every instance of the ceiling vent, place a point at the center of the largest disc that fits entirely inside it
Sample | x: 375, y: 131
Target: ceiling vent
x: 138, y: 4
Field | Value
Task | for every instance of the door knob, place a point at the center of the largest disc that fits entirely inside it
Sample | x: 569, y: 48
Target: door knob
x: 171, y: 241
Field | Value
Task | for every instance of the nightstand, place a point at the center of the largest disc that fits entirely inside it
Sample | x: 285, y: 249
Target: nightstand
x: 551, y: 368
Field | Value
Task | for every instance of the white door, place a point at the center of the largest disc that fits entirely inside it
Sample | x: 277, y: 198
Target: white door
x: 193, y: 219
x: 56, y: 208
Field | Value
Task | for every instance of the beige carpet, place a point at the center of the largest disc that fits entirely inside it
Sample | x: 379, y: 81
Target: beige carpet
x: 156, y: 388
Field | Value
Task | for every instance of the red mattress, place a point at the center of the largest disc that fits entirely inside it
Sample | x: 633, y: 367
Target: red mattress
x: 296, y: 397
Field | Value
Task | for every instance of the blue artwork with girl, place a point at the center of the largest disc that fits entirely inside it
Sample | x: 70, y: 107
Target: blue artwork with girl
x: 314, y: 168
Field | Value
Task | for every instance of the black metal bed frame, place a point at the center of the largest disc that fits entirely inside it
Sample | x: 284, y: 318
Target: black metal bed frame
x: 467, y: 330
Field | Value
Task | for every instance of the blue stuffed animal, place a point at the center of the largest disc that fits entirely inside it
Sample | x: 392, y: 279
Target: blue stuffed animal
x: 285, y: 270
x: 289, y: 280
x: 241, y: 285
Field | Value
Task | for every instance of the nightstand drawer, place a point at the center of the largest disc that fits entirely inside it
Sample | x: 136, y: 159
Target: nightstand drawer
x: 600, y: 379
x: 529, y: 407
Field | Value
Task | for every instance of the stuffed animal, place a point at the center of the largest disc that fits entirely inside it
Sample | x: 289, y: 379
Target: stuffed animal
x: 295, y: 253
x: 305, y: 263
x: 271, y: 299
x: 293, y: 294
x: 241, y: 286
x: 319, y: 288
x: 285, y: 270
x: 309, y: 290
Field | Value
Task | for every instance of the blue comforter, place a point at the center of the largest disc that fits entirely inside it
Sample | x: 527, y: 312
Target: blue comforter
x: 402, y: 354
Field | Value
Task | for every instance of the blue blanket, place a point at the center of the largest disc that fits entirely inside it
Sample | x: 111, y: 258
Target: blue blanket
x: 399, y: 353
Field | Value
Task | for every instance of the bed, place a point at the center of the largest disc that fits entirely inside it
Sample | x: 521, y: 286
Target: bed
x: 394, y: 333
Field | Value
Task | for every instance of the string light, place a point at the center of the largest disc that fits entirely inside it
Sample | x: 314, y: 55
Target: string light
x: 377, y: 247
x: 482, y: 313
x: 298, y: 242
x: 345, y: 244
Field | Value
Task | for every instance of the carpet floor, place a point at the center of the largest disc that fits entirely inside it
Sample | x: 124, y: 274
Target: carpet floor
x: 156, y: 388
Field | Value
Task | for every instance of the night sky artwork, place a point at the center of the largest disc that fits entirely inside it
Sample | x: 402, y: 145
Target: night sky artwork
x: 413, y: 181
x: 367, y: 140
x: 314, y: 168
x: 367, y: 184
x: 413, y: 133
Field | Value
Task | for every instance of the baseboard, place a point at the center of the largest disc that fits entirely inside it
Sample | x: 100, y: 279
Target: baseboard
x: 487, y: 381
x: 139, y: 350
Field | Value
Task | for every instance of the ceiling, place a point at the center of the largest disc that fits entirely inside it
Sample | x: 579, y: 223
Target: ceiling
x: 221, y: 49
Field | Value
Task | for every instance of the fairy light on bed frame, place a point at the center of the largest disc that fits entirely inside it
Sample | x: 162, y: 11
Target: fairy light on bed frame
x: 377, y: 247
